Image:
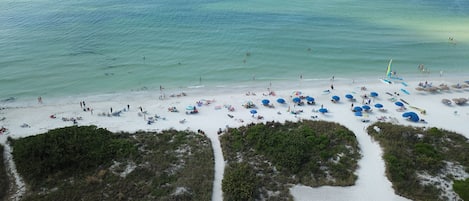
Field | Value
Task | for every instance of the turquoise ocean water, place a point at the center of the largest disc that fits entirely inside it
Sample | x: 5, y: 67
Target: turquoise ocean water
x: 56, y: 48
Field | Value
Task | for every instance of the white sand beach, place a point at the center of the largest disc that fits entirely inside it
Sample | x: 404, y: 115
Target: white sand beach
x: 213, y: 114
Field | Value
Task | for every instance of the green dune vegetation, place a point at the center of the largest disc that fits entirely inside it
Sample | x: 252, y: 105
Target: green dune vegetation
x: 3, y: 176
x: 90, y: 163
x: 423, y: 163
x: 264, y: 160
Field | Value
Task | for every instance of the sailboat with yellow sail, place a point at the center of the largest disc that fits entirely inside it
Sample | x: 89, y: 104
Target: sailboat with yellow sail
x: 390, y: 74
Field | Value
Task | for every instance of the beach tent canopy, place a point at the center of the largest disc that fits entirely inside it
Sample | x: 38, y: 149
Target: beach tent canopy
x: 265, y: 102
x: 323, y: 110
x: 281, y: 100
x: 309, y: 99
x: 366, y: 107
x: 253, y: 111
x: 357, y: 109
x: 336, y: 98
x: 190, y: 107
x: 348, y: 96
x: 378, y: 105
x: 358, y: 113
x: 398, y: 103
x: 412, y: 116
x: 373, y: 94
x: 296, y: 100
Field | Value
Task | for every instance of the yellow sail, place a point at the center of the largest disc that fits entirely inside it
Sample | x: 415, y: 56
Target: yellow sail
x: 388, y: 72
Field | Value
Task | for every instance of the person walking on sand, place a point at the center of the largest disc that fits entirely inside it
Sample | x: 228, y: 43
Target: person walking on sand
x: 128, y: 107
x: 332, y: 87
x: 111, y: 109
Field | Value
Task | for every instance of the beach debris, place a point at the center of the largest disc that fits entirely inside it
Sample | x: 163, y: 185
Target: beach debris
x: 460, y: 101
x: 249, y: 104
x: 173, y: 109
x: 460, y: 86
x: 446, y: 101
x: 229, y: 108
x: 444, y: 87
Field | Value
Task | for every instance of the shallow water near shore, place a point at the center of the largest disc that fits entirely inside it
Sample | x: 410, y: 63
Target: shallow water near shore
x: 72, y: 49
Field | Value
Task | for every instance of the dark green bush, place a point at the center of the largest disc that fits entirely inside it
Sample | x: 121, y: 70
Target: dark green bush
x: 162, y: 162
x: 461, y: 187
x: 308, y: 152
x: 65, y: 150
x: 409, y: 151
x: 240, y: 182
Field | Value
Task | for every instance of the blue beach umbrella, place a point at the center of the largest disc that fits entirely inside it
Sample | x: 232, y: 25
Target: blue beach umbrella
x: 335, y: 98
x: 265, y: 102
x: 398, y: 103
x: 281, y: 100
x: 412, y: 116
x: 366, y: 107
x: 358, y: 113
x: 323, y: 110
x: 348, y: 96
x: 253, y: 112
x: 373, y: 94
x: 378, y: 105
x: 296, y: 100
x: 309, y: 99
x: 357, y: 109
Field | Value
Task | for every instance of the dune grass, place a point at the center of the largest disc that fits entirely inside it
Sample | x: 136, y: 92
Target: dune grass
x: 411, y: 152
x: 3, y: 176
x: 264, y: 160
x: 89, y: 163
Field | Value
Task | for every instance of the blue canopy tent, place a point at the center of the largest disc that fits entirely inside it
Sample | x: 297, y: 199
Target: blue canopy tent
x: 398, y: 103
x: 378, y: 105
x: 357, y: 109
x: 335, y: 98
x: 265, y: 102
x: 373, y: 94
x: 366, y: 107
x: 348, y: 96
x: 323, y: 110
x: 281, y: 100
x: 412, y: 116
